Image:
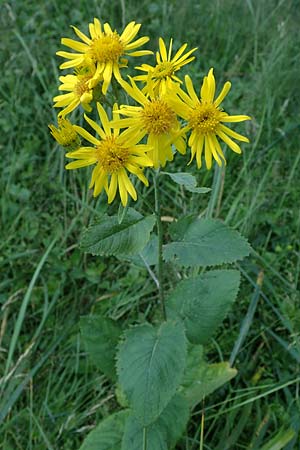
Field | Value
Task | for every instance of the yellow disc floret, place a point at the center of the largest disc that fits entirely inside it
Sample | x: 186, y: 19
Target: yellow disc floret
x: 205, y: 118
x: 157, y: 117
x: 106, y: 49
x: 163, y: 70
x: 111, y: 155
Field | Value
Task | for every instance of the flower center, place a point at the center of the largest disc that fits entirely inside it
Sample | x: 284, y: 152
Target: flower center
x: 163, y: 70
x: 204, y: 118
x: 111, y: 155
x: 158, y: 117
x: 81, y: 86
x: 107, y: 48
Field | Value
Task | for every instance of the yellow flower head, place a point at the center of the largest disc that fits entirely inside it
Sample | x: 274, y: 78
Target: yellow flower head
x: 154, y: 119
x: 79, y: 89
x: 65, y: 134
x: 105, y: 48
x: 159, y: 79
x: 205, y: 119
x: 114, y: 155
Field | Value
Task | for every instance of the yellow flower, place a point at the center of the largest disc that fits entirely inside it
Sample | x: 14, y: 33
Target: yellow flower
x: 205, y: 119
x: 79, y: 92
x: 159, y: 79
x: 65, y: 134
x: 154, y: 119
x: 114, y: 154
x: 105, y: 48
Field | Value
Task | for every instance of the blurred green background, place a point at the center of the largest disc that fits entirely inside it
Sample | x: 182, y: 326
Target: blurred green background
x: 50, y: 394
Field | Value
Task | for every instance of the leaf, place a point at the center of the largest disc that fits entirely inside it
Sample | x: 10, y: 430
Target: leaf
x: 163, y: 433
x: 206, y: 242
x: 188, y: 181
x: 134, y: 435
x: 109, y: 237
x: 100, y: 336
x: 280, y: 440
x: 202, y: 302
x: 201, y: 379
x: 149, y: 254
x: 107, y: 435
x: 150, y: 365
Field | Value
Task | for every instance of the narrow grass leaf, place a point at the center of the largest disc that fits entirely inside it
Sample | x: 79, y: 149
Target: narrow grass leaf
x: 150, y: 365
x: 24, y: 305
x: 282, y: 438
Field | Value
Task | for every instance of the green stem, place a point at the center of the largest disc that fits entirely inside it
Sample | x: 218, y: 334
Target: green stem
x: 215, y: 191
x: 144, y: 438
x: 160, y: 244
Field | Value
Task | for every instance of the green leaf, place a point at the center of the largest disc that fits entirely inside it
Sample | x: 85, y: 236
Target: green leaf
x: 202, y: 302
x: 163, y: 433
x: 150, y: 365
x: 107, y: 435
x: 206, y: 242
x: 188, y: 181
x: 201, y: 379
x: 109, y: 237
x: 101, y: 336
x: 149, y: 254
x: 280, y: 440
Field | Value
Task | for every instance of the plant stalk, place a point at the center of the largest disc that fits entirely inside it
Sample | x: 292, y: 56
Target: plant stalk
x: 160, y: 244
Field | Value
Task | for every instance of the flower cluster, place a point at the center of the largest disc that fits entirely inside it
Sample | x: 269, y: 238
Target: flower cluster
x: 168, y: 115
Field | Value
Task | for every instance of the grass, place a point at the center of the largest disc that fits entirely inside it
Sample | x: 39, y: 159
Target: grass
x: 50, y: 394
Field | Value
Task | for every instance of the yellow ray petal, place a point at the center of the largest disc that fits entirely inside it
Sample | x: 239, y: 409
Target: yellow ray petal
x: 75, y: 45
x: 234, y: 134
x: 86, y: 135
x: 233, y: 145
x: 82, y: 36
x: 240, y: 118
x: 104, y: 119
x: 223, y: 93
x: 112, y: 190
x: 95, y: 126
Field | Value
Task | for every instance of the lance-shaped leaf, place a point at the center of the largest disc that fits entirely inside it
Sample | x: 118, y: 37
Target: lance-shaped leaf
x: 109, y: 237
x: 161, y: 434
x: 108, y: 434
x: 188, y: 181
x: 150, y: 365
x: 100, y: 336
x: 201, y: 379
x: 202, y: 302
x: 205, y: 242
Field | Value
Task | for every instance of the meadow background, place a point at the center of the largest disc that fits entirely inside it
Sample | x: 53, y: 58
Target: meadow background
x: 50, y: 394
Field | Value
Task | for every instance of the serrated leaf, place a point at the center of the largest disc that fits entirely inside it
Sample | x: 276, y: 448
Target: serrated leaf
x: 149, y: 254
x: 163, y: 433
x: 207, y: 242
x: 109, y: 237
x: 108, y: 434
x: 134, y: 435
x: 150, y: 365
x: 188, y: 181
x: 100, y: 336
x: 201, y: 379
x: 202, y: 302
